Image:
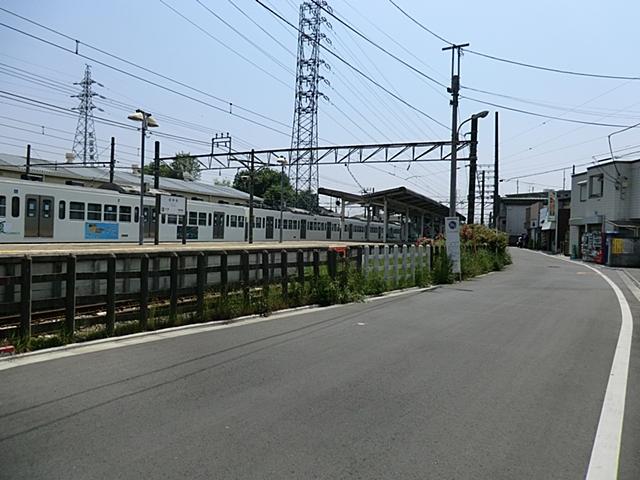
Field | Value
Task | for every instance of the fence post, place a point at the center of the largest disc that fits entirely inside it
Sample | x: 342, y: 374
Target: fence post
x: 201, y: 282
x: 405, y: 252
x: 395, y: 264
x: 360, y: 253
x: 244, y: 275
x: 56, y: 285
x: 224, y: 277
x: 300, y: 264
x: 365, y: 262
x: 429, y: 257
x: 173, y: 287
x: 111, y: 294
x: 25, y: 298
x: 332, y: 263
x: 385, y: 253
x: 420, y: 260
x: 316, y: 264
x: 412, y: 251
x: 70, y: 294
x: 265, y: 278
x: 284, y: 273
x: 144, y: 291
x: 9, y: 290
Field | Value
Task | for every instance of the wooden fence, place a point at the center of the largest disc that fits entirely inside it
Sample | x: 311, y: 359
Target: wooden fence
x: 43, y: 294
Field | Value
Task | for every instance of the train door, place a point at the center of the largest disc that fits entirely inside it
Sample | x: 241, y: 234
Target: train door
x: 38, y: 219
x: 350, y: 231
x: 269, y: 229
x: 303, y: 229
x: 218, y: 225
x: 149, y: 222
x: 329, y: 224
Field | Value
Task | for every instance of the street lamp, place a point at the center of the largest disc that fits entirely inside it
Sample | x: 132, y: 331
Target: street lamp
x: 147, y: 122
x: 473, y: 157
x: 282, y: 161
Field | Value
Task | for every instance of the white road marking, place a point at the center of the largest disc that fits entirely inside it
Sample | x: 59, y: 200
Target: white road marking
x: 605, y: 453
x: 146, y: 337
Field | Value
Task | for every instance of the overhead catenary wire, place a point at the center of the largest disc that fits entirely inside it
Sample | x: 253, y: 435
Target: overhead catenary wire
x: 515, y: 62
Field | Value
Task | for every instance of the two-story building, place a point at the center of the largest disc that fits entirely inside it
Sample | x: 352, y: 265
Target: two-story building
x: 605, y: 213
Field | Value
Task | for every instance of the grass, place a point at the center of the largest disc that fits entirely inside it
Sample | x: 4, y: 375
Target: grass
x: 348, y: 286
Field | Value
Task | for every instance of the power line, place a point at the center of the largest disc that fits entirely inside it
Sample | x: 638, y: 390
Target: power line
x: 331, y: 52
x: 515, y: 62
x: 78, y: 43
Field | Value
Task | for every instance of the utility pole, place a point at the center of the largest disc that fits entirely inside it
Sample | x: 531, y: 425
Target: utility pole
x: 27, y: 169
x: 454, y: 90
x: 251, y: 180
x: 482, y: 200
x: 156, y: 186
x: 112, y: 159
x: 473, y: 168
x: 564, y: 179
x: 496, y: 181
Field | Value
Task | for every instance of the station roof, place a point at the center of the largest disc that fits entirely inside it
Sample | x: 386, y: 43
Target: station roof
x: 16, y: 163
x: 398, y: 200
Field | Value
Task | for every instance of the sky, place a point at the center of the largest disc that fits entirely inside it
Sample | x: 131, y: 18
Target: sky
x: 256, y: 74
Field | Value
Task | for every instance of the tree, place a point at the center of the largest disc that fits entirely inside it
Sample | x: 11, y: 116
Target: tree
x: 182, y: 164
x: 266, y: 185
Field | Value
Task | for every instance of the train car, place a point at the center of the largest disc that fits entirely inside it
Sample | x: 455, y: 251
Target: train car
x: 32, y: 212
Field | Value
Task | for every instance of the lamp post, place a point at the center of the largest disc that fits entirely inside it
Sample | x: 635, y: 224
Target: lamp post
x: 147, y: 122
x: 473, y: 160
x: 282, y: 161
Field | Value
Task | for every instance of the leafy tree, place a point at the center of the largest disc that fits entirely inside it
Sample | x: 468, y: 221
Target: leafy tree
x: 266, y: 185
x: 225, y: 182
x: 182, y: 164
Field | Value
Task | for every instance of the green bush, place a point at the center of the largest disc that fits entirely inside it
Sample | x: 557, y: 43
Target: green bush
x: 442, y: 269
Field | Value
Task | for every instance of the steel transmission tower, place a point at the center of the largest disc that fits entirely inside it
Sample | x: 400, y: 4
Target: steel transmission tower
x: 303, y: 168
x: 84, y: 142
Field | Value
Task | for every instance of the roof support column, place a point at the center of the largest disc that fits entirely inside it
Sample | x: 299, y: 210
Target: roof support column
x: 406, y: 226
x: 386, y: 219
x: 367, y: 236
x: 341, y: 217
x: 421, y: 225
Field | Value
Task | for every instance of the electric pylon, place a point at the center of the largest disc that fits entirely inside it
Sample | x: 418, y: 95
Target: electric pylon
x: 303, y: 167
x: 85, y: 143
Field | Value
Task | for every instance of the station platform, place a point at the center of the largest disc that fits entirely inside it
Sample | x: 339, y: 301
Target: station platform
x: 40, y: 249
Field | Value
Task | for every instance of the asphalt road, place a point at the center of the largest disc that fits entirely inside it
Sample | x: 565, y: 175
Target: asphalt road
x: 502, y: 377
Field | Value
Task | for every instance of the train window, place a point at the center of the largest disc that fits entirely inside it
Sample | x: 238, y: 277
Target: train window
x: 241, y: 221
x: 193, y: 218
x: 76, y: 210
x: 202, y: 219
x: 3, y: 206
x: 228, y: 216
x: 125, y: 214
x: 295, y: 224
x: 209, y: 219
x: 62, y: 209
x: 172, y: 219
x: 181, y: 219
x: 136, y: 214
x: 15, y: 206
x: 110, y: 213
x: 94, y: 211
x: 234, y: 220
x: 32, y: 206
x: 46, y: 208
x: 163, y: 218
x: 290, y: 224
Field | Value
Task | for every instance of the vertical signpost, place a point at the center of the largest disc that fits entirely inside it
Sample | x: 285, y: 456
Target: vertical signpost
x: 452, y: 231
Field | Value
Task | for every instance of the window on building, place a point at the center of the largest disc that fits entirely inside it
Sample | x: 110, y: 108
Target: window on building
x: 94, y: 211
x: 15, y: 207
x: 583, y: 191
x: 110, y: 213
x: 62, y: 209
x: 3, y: 206
x: 596, y: 185
x: 125, y: 214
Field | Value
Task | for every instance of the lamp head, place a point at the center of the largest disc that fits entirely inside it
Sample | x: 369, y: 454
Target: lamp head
x: 481, y: 114
x: 281, y: 160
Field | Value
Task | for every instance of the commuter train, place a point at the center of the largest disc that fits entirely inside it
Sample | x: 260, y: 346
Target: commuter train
x: 38, y: 212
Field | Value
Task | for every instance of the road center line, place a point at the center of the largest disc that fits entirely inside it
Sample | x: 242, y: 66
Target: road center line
x: 605, y: 454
